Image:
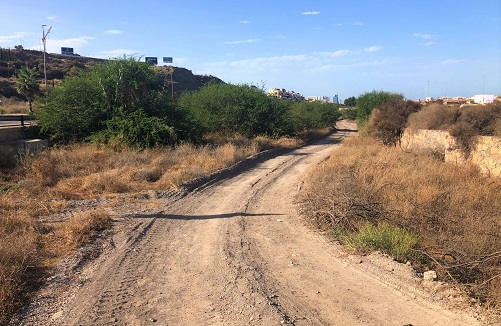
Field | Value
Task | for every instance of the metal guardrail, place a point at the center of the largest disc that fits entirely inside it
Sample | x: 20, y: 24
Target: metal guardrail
x: 14, y: 118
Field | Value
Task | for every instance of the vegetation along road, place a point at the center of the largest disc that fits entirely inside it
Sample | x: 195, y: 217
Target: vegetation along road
x: 235, y: 251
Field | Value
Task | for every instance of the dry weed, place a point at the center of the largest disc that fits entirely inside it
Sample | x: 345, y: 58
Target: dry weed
x: 13, y: 106
x: 455, y: 210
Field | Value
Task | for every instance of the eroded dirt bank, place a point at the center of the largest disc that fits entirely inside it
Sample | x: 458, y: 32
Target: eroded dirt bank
x: 236, y: 252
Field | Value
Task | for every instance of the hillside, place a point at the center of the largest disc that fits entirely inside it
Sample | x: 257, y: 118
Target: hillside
x: 58, y: 66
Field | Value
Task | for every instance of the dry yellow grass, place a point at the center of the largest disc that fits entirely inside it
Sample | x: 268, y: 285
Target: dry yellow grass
x: 13, y: 106
x: 456, y: 211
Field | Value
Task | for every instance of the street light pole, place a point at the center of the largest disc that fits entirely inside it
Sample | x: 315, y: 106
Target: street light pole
x: 44, y: 37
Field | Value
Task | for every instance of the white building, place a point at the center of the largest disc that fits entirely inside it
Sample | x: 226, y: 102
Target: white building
x: 483, y: 99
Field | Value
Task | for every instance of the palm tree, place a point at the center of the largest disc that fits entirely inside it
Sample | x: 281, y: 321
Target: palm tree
x: 27, y: 84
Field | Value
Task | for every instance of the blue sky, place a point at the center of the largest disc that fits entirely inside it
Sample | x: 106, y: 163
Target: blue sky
x: 417, y: 48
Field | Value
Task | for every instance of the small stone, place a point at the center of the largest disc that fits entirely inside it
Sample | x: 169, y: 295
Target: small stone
x: 429, y: 275
x: 153, y: 320
x: 279, y: 220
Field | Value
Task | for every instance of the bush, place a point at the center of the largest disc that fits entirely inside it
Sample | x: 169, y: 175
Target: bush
x: 119, y: 101
x: 239, y: 109
x: 464, y: 123
x: 389, y: 119
x: 73, y: 111
x: 136, y: 130
x: 454, y: 210
x: 390, y: 239
x: 312, y: 115
x: 369, y: 101
x: 434, y: 117
x: 475, y: 121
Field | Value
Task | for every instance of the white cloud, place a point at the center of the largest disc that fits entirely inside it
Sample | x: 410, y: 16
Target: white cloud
x: 451, y: 61
x: 374, y: 48
x: 113, y: 32
x: 244, y: 22
x: 52, y: 17
x: 117, y: 53
x: 311, y: 13
x: 358, y: 23
x: 424, y: 36
x: 54, y: 45
x: 12, y: 38
x: 244, y: 41
x: 181, y: 60
x: 257, y: 64
x: 428, y: 43
x: 334, y: 54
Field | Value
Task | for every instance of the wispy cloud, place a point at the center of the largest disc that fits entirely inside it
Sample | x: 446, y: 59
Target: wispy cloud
x: 14, y: 37
x: 373, y: 48
x: 244, y: 22
x: 257, y: 64
x: 113, y: 32
x: 54, y: 45
x: 428, y: 43
x: 244, y: 41
x: 335, y: 54
x: 52, y: 17
x: 312, y: 13
x: 358, y: 23
x: 424, y: 36
x: 181, y: 59
x: 451, y: 61
x: 117, y: 53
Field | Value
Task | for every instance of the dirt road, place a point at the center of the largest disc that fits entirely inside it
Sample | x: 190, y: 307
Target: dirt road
x: 236, y: 252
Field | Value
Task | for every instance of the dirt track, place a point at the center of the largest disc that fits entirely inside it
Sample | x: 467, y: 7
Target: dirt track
x: 236, y: 252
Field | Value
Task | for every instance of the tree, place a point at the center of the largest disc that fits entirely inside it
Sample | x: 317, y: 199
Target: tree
x: 121, y: 101
x: 27, y: 84
x: 350, y: 101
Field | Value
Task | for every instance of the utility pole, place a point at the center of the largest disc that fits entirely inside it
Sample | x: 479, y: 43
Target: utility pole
x: 44, y: 37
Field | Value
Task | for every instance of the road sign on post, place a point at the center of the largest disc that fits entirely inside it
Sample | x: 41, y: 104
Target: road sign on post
x: 151, y: 60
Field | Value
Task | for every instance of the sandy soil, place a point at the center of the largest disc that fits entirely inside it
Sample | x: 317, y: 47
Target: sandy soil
x: 235, y: 251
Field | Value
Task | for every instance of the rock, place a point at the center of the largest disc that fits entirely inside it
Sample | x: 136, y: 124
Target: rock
x: 430, y: 276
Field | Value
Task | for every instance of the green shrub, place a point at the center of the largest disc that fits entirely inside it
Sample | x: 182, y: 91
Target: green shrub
x: 312, y: 115
x: 242, y: 109
x: 118, y: 101
x: 392, y: 240
x: 135, y: 130
x: 73, y: 111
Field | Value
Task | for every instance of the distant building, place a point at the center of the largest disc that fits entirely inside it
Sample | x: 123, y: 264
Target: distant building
x: 317, y: 98
x: 483, y: 99
x: 285, y: 94
x: 335, y: 99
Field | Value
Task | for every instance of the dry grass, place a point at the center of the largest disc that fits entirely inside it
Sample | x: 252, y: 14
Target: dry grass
x: 454, y: 210
x: 464, y: 123
x: 31, y: 241
x: 13, y: 106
